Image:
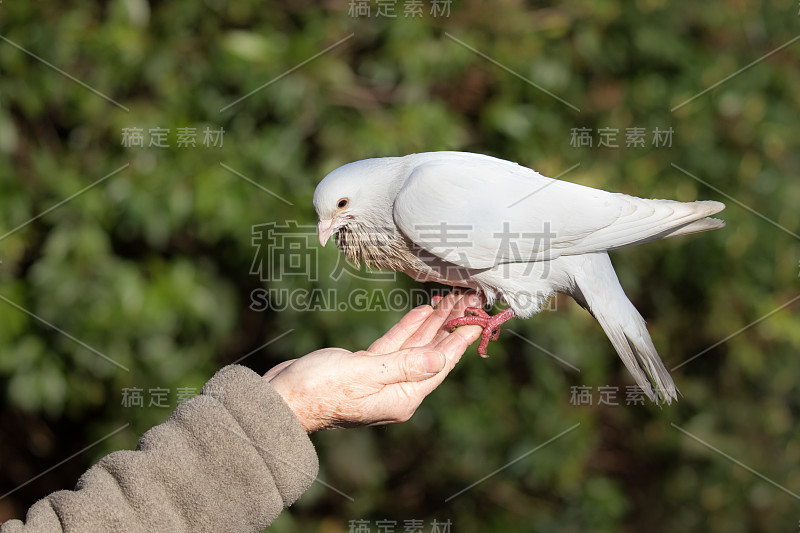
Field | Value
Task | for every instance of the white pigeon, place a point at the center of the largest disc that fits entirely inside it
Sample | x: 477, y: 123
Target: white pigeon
x: 509, y: 233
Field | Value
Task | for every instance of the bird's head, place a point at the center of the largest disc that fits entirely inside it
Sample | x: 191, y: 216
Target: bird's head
x: 359, y: 194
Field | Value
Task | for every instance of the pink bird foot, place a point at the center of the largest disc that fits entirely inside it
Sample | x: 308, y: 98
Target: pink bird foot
x: 475, y: 316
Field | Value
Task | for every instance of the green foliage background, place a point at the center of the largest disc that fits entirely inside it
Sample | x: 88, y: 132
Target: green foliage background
x: 151, y: 267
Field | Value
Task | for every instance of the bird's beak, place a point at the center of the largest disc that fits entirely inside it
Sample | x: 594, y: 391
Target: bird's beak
x: 325, y: 229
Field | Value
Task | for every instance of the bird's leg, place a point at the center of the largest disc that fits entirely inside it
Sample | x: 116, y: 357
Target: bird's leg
x: 478, y: 317
x: 478, y: 311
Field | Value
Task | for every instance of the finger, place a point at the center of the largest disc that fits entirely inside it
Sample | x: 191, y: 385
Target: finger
x: 399, y: 333
x: 410, y: 365
x: 428, y: 329
x: 277, y: 369
x: 470, y: 299
x: 453, y: 345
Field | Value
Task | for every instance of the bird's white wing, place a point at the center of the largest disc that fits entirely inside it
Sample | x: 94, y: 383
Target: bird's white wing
x: 478, y: 212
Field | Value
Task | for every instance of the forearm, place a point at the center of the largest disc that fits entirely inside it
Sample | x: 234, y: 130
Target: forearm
x: 228, y: 460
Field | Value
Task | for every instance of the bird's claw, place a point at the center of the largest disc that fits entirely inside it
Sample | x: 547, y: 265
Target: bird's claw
x: 476, y: 311
x: 475, y: 316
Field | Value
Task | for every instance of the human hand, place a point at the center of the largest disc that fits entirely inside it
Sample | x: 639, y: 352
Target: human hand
x: 334, y: 388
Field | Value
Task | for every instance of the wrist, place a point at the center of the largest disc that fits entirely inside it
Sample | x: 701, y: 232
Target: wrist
x: 291, y: 399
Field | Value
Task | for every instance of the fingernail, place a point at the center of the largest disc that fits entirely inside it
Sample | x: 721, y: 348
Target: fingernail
x: 432, y: 362
x: 474, y: 300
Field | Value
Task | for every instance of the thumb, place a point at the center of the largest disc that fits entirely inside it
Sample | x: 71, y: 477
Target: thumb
x: 415, y: 364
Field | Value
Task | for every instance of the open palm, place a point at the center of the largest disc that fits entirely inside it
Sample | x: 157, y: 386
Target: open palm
x: 386, y: 383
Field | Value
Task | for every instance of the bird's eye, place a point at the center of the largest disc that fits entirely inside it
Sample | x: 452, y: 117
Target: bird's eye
x: 342, y: 203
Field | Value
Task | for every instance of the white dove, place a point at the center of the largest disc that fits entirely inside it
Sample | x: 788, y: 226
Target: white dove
x: 506, y: 231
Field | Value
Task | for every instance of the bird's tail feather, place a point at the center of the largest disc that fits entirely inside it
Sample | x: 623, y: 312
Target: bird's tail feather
x: 651, y: 220
x: 697, y: 226
x: 601, y: 294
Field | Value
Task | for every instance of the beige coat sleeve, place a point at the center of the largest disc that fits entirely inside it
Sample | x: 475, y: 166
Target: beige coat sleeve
x: 230, y: 459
